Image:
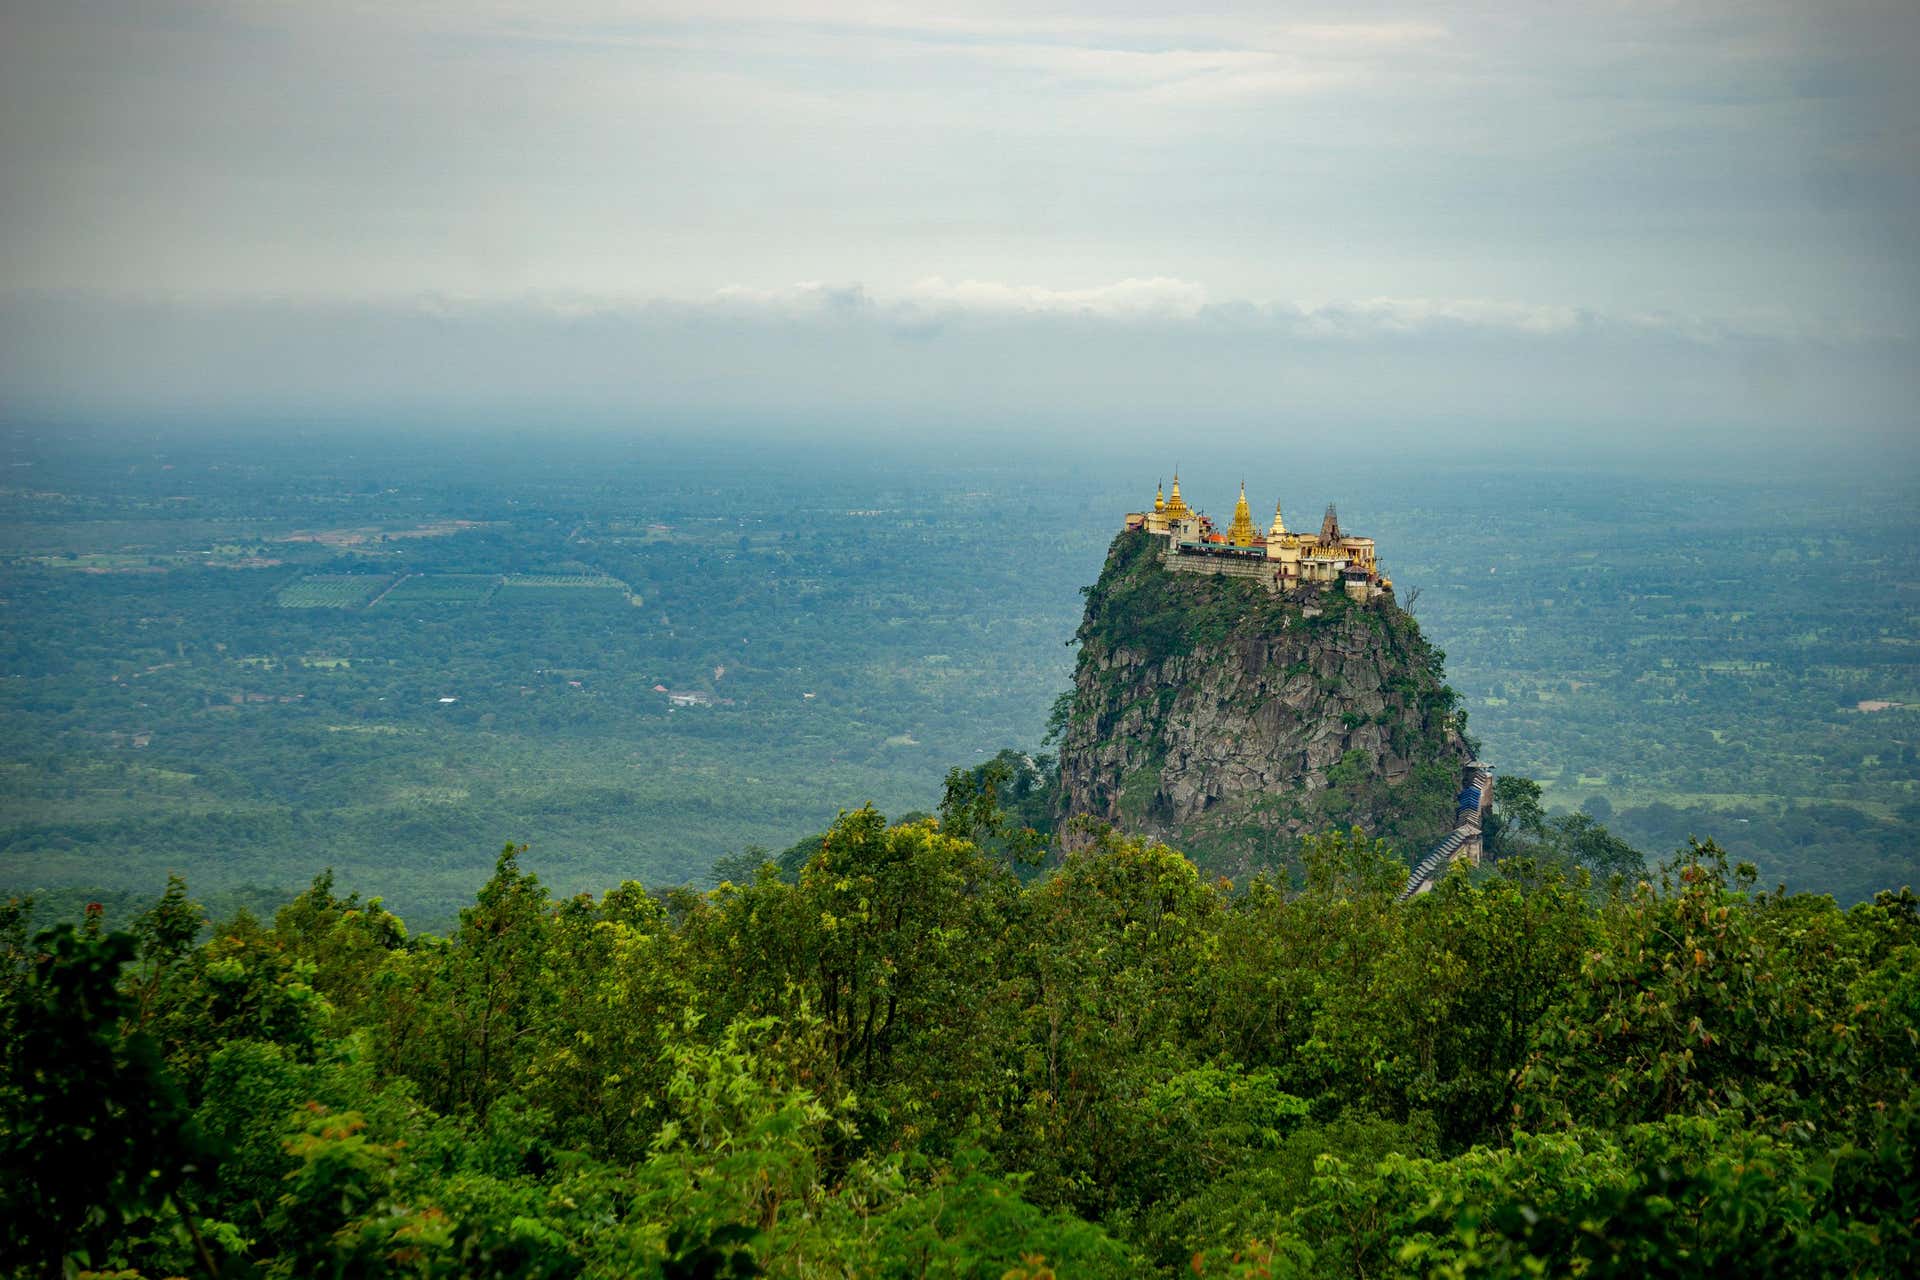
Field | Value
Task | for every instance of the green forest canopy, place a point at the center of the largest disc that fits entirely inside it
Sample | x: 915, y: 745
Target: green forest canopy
x: 901, y: 1060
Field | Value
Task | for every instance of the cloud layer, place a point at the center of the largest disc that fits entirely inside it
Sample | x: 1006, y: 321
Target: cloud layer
x: 1140, y: 360
x: 1168, y: 304
x: 1407, y: 187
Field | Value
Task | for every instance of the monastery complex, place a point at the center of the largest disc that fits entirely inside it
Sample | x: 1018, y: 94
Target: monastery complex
x: 1281, y: 558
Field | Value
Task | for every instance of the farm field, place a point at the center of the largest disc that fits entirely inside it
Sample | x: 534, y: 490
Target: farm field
x: 575, y: 581
x: 440, y: 589
x: 332, y: 590
x: 564, y: 591
x: 104, y: 563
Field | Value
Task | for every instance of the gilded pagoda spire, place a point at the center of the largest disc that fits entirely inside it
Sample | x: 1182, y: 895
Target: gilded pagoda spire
x: 1159, y: 497
x: 1240, y: 532
x: 1177, y: 508
x: 1279, y: 529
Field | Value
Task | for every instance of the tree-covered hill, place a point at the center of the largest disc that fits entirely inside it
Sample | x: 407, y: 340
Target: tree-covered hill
x: 896, y: 1058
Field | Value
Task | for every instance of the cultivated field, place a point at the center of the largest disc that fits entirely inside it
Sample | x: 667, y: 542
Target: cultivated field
x: 332, y: 590
x: 441, y: 588
x: 576, y: 581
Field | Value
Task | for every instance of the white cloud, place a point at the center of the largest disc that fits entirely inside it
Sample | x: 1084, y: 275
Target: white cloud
x: 1159, y: 296
x: 1383, y: 316
x: 1162, y: 301
x: 808, y: 298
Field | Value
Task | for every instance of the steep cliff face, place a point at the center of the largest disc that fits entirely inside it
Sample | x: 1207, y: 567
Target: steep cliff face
x: 1226, y: 720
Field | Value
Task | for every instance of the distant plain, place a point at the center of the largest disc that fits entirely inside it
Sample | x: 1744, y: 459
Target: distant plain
x: 246, y: 659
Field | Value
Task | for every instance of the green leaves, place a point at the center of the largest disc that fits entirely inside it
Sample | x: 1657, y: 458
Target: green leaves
x: 903, y: 1062
x: 96, y: 1141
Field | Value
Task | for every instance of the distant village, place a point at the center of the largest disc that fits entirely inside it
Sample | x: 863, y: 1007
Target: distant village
x: 1280, y: 558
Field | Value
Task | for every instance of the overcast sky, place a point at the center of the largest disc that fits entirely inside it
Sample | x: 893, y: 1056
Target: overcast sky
x: 1669, y: 215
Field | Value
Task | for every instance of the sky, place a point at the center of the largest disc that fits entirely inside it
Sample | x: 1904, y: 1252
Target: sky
x: 1532, y: 219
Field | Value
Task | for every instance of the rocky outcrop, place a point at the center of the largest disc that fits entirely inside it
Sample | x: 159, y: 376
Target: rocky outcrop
x: 1227, y: 720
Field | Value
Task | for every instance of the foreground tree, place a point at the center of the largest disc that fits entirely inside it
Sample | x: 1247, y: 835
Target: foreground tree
x: 98, y: 1152
x: 902, y: 1061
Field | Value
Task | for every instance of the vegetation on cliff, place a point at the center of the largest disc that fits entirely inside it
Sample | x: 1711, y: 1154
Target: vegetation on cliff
x: 903, y: 1062
x: 1214, y: 713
